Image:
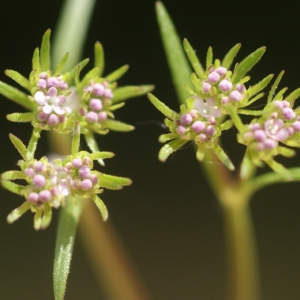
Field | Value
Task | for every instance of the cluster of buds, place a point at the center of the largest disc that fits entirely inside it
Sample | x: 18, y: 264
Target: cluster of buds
x: 51, y: 97
x: 279, y: 123
x: 99, y: 95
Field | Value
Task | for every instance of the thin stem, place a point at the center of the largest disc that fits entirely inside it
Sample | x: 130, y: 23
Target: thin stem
x: 243, y: 274
x: 108, y: 257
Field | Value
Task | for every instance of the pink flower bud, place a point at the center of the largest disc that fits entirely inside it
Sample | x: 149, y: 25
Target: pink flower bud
x: 95, y: 104
x: 77, y: 162
x: 84, y: 172
x: 206, y: 88
x: 288, y: 113
x: 186, y: 119
x: 240, y: 88
x: 102, y: 116
x: 259, y: 135
x: 92, y: 117
x: 235, y: 96
x: 225, y: 85
x: 221, y: 71
x: 39, y: 166
x: 213, y: 77
x: 53, y: 120
x: 198, y: 126
x: 33, y: 197
x: 210, y: 130
x: 181, y: 130
x: 86, y: 184
x: 39, y: 181
x: 45, y: 196
x: 41, y: 84
x: 270, y: 143
x: 98, y: 89
x: 52, y: 82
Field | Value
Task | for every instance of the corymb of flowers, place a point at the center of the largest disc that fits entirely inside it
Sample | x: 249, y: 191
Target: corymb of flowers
x: 67, y: 104
x: 218, y: 98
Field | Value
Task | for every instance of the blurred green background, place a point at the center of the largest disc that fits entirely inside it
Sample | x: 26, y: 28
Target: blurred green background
x: 168, y: 219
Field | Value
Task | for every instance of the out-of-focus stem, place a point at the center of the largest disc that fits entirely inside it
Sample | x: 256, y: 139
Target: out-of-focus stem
x: 108, y: 257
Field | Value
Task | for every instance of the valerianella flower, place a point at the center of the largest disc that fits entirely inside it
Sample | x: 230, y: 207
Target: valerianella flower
x: 57, y: 99
x: 49, y: 183
x: 279, y: 124
x: 227, y: 88
x: 198, y: 122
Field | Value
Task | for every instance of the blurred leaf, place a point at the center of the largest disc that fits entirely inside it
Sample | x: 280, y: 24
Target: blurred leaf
x: 117, y: 73
x: 253, y: 90
x: 126, y: 92
x: 274, y: 87
x: 21, y: 117
x: 178, y: 63
x: 223, y: 157
x: 101, y: 155
x: 169, y: 148
x: 113, y: 182
x: 293, y: 96
x: 20, y: 79
x: 118, y: 126
x: 12, y: 187
x: 99, y: 57
x: 36, y: 61
x: 193, y: 58
x: 33, y: 143
x: 92, y: 144
x: 209, y: 57
x: 16, y: 96
x: 45, y: 51
x: 18, y: 212
x: 19, y: 145
x: 12, y: 175
x: 62, y: 64
x: 101, y: 206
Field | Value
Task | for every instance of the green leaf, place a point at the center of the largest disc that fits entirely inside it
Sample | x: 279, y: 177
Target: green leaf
x: 209, y: 57
x: 33, y: 143
x: 101, y: 206
x: 66, y: 233
x: 169, y: 148
x: 81, y: 65
x: 19, y: 145
x: 37, y: 220
x: 117, y: 73
x: 247, y: 168
x: 167, y: 137
x: 178, y: 63
x: 89, y: 75
x: 21, y: 117
x: 92, y: 144
x: 223, y: 157
x: 127, y: 92
x: 62, y: 64
x: 118, y: 126
x: 164, y: 109
x: 45, y: 51
x: 99, y: 57
x: 248, y: 112
x: 200, y: 155
x: 12, y: 175
x: 280, y: 169
x: 293, y: 96
x: 113, y: 182
x: 193, y: 58
x: 16, y: 96
x: 12, y: 187
x: 274, y: 87
x: 20, y: 79
x: 18, y: 212
x: 47, y: 217
x: 229, y: 57
x: 253, y: 90
x: 36, y: 61
x: 247, y: 64
x: 101, y: 155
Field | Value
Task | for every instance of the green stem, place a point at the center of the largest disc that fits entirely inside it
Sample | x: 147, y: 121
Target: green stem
x: 243, y: 274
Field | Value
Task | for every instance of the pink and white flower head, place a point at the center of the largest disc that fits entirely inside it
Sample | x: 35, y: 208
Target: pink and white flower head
x: 208, y: 108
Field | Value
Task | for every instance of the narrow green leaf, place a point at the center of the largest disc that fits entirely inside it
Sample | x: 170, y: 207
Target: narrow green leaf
x: 209, y: 57
x: 45, y: 51
x: 20, y: 79
x: 260, y: 95
x: 68, y: 220
x: 19, y: 145
x: 81, y: 65
x: 287, y: 152
x: 101, y: 206
x: 169, y: 148
x: 12, y: 175
x: 178, y: 63
x: 253, y: 90
x: 274, y: 87
x: 92, y: 144
x: 200, y: 155
x: 293, y: 96
x: 102, y: 155
x: 113, y: 182
x: 21, y: 117
x: 248, y: 112
x: 12, y: 187
x: 37, y: 220
x: 16, y: 96
x: 62, y: 64
x: 223, y: 157
x: 126, y: 92
x: 193, y: 58
x: 75, y: 138
x: 117, y: 73
x: 36, y: 60
x: 99, y: 57
x: 33, y: 143
x: 229, y: 57
x: 167, y: 137
x: 18, y: 212
x: 280, y: 169
x: 47, y: 217
x: 247, y: 64
x: 164, y: 109
x: 247, y: 168
x: 89, y: 75
x: 118, y: 126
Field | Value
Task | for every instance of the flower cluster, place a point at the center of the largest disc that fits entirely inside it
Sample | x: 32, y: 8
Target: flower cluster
x: 50, y: 183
